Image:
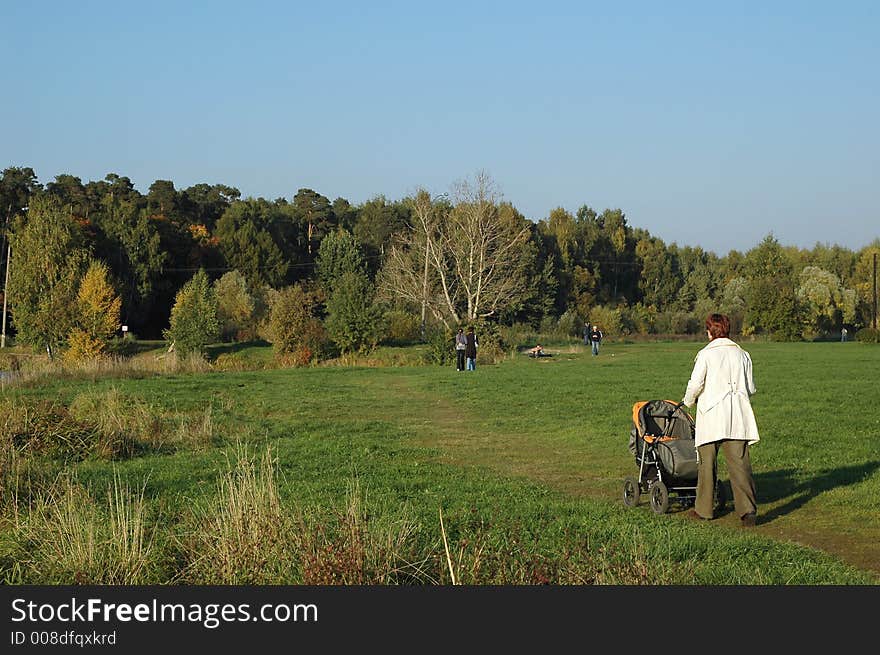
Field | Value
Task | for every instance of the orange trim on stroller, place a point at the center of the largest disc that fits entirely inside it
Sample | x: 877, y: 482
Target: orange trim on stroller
x: 650, y: 438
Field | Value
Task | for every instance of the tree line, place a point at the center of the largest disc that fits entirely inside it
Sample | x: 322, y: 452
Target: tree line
x: 306, y: 271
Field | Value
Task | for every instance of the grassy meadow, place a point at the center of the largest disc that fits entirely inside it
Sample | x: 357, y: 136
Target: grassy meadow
x: 404, y: 474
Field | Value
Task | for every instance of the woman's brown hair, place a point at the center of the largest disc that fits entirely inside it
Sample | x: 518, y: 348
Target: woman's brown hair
x: 718, y: 326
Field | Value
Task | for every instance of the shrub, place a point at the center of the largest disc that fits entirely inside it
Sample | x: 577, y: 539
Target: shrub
x: 82, y: 347
x: 296, y: 335
x: 441, y: 345
x: 236, y: 307
x: 638, y: 319
x: 868, y: 335
x: 9, y: 361
x: 570, y: 324
x: 608, y: 319
x: 402, y: 327
x: 492, y: 347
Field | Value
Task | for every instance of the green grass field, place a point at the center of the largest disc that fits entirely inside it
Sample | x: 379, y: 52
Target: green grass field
x: 525, y: 459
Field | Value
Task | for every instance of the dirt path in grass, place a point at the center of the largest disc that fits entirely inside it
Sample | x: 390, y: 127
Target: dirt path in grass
x: 580, y: 473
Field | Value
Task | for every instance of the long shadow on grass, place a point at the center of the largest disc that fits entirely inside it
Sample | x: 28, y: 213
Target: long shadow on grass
x: 776, y: 485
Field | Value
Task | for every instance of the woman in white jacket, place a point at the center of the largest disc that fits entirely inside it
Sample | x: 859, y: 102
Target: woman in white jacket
x: 722, y: 380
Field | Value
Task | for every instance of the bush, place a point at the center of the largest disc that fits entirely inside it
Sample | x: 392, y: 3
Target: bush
x: 296, y: 335
x: 868, y: 335
x: 82, y: 347
x: 402, y: 327
x: 9, y: 362
x: 492, y: 347
x: 236, y: 307
x: 441, y: 346
x: 638, y: 319
x: 608, y: 319
x: 570, y: 324
x: 548, y: 325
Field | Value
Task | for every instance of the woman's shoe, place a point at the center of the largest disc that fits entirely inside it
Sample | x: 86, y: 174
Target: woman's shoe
x: 696, y: 516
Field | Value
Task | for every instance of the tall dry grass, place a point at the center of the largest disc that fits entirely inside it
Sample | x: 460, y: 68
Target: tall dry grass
x: 36, y: 370
x: 102, y: 424
x: 356, y: 547
x: 67, y: 537
x: 244, y: 535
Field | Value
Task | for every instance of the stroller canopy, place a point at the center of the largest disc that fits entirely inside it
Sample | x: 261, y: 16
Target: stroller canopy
x: 651, y: 418
x: 662, y: 426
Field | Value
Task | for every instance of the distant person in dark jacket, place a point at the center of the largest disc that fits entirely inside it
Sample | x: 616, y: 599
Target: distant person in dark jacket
x: 595, y: 338
x: 587, y: 333
x: 460, y: 346
x: 470, y: 350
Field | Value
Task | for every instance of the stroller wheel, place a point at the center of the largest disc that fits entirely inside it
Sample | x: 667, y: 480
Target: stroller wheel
x: 720, y: 497
x: 631, y: 492
x: 659, y: 497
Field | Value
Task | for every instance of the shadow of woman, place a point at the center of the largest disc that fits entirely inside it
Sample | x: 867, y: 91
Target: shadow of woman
x: 802, y: 487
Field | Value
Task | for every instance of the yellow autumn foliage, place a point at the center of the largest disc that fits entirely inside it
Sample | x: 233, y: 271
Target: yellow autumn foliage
x: 83, y: 347
x: 99, y: 306
x: 98, y: 309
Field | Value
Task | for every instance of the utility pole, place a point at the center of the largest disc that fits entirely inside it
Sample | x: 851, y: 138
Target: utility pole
x: 6, y: 293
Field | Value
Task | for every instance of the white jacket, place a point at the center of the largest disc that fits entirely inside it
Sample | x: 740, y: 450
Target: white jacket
x: 722, y: 380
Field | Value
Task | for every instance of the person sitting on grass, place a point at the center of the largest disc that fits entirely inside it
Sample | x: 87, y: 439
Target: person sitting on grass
x: 537, y: 351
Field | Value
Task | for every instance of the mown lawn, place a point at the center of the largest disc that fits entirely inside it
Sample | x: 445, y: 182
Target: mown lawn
x: 525, y: 459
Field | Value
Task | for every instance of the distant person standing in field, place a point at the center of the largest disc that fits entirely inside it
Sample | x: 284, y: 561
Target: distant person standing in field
x: 595, y: 338
x: 470, y: 350
x: 587, y: 333
x: 460, y: 345
x: 842, y: 335
x: 722, y: 380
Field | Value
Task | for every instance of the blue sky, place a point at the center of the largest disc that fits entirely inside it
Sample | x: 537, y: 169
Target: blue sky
x: 708, y: 124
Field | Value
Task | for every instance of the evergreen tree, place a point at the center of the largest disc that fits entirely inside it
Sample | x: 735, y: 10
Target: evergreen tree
x: 354, y: 321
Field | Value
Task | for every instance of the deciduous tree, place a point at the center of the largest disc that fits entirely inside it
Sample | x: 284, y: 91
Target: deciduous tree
x: 194, y: 322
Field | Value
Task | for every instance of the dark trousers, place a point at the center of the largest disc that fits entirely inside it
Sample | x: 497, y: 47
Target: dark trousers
x: 739, y: 466
x: 459, y: 360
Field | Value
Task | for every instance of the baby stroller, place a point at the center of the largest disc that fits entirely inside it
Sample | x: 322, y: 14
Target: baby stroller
x: 662, y: 440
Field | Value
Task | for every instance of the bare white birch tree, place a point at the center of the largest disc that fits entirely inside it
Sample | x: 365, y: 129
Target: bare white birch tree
x: 462, y: 264
x: 411, y: 266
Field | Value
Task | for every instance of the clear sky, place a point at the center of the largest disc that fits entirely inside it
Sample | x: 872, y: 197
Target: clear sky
x: 707, y: 123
